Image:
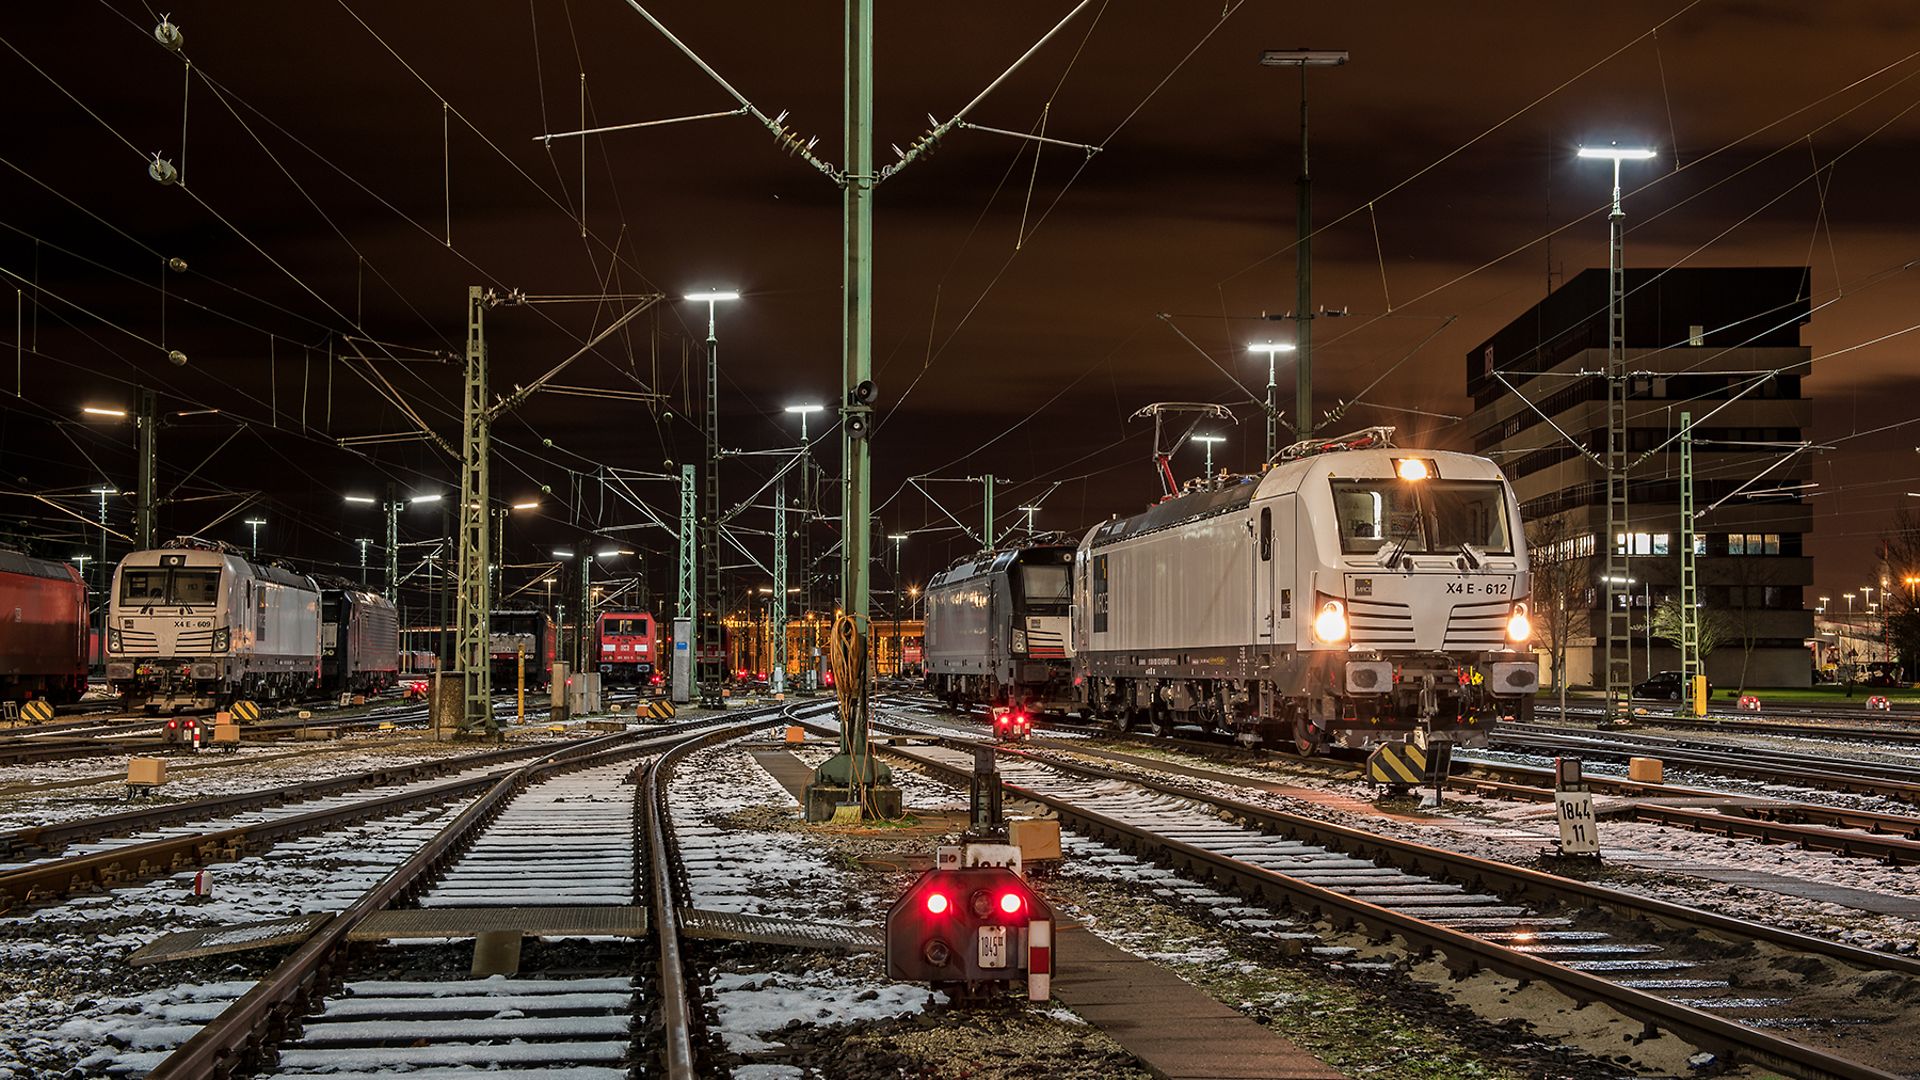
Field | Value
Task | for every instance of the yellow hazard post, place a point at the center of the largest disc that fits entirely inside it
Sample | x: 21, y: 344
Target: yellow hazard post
x: 520, y: 687
x: 1400, y: 764
x: 1699, y: 695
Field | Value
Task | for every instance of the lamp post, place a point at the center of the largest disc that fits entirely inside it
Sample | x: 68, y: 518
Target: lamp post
x: 782, y: 571
x: 1208, y: 441
x: 1619, y: 669
x: 254, y: 524
x: 709, y: 545
x: 1303, y: 246
x: 1272, y: 349
x: 898, y: 539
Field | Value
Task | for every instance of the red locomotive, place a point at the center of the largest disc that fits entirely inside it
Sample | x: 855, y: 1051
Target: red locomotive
x: 629, y: 647
x: 43, y: 630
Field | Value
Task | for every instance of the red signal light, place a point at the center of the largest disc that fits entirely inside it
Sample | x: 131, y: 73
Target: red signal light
x: 1005, y: 719
x: 173, y: 725
x: 937, y: 903
x: 1011, y: 903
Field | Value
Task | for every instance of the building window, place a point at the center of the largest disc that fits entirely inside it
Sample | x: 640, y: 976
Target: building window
x: 1696, y: 335
x: 1663, y: 543
x: 1699, y: 543
x: 1585, y: 545
x: 1753, y: 543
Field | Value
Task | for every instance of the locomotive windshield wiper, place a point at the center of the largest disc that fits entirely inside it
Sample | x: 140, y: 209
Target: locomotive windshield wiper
x: 1475, y: 557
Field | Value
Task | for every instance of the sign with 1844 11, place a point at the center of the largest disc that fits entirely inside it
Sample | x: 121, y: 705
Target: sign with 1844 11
x: 1578, y: 832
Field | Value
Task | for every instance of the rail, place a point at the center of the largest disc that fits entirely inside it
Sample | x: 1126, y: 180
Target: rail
x: 1462, y: 949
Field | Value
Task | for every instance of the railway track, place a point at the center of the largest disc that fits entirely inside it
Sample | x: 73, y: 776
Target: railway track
x: 582, y: 830
x: 1900, y: 782
x: 1890, y: 838
x: 1590, y: 942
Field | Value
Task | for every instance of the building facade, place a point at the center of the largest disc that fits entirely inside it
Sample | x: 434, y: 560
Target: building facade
x: 1722, y: 344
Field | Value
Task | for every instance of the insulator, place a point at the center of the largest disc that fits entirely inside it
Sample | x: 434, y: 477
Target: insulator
x: 169, y: 35
x: 177, y: 264
x: 178, y: 358
x: 162, y: 170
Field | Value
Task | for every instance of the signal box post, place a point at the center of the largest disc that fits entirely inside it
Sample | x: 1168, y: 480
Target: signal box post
x: 972, y: 924
x: 1573, y: 808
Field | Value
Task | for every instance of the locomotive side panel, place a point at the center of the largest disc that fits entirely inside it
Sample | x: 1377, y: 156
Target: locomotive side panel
x: 43, y: 629
x: 958, y: 622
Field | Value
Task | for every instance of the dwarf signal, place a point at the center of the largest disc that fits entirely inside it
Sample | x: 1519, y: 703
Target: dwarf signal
x: 970, y: 928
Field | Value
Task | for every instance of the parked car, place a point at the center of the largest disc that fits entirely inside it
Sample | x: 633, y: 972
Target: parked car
x: 1664, y: 686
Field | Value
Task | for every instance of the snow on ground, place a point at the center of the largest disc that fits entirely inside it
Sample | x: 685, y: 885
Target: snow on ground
x: 752, y: 1005
x: 742, y: 870
x: 28, y: 808
x: 1519, y: 832
x: 64, y: 985
x: 1681, y: 776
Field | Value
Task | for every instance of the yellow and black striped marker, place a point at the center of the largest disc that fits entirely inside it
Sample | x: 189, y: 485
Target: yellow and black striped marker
x: 245, y: 712
x: 1397, y: 763
x: 37, y: 711
x: 660, y: 709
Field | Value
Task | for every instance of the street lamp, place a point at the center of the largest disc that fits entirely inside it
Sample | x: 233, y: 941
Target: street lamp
x: 1208, y: 441
x: 1303, y: 246
x: 103, y: 410
x: 709, y: 523
x: 804, y: 411
x: 1272, y: 349
x: 254, y: 524
x: 1619, y: 555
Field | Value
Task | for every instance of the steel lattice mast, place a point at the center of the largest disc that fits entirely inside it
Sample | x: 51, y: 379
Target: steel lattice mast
x: 476, y: 601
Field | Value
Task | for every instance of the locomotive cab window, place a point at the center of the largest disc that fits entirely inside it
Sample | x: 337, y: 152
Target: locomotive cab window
x: 143, y: 587
x: 1046, y: 585
x: 1431, y: 517
x: 195, y: 586
x: 162, y: 586
x: 1266, y: 534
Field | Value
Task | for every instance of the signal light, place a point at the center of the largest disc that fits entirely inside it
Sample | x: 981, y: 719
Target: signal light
x: 1011, y: 903
x: 937, y: 903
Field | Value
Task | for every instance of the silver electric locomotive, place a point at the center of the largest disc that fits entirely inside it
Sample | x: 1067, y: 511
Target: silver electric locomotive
x: 1351, y: 595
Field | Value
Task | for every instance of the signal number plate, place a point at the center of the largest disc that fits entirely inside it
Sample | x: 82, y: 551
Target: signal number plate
x: 993, y: 946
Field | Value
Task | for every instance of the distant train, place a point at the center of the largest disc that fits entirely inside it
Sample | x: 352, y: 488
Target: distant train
x: 997, y: 630
x: 195, y: 625
x: 43, y: 630
x: 629, y: 643
x: 514, y: 634
x: 1349, y: 596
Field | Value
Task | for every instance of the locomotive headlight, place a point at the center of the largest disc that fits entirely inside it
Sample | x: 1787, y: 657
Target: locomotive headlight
x: 1019, y: 641
x: 1330, y: 625
x: 1412, y: 468
x: 1519, y: 625
x: 113, y: 639
x: 222, y: 639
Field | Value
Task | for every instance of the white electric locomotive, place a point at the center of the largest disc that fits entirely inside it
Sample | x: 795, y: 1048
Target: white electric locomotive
x: 194, y: 625
x: 1351, y: 595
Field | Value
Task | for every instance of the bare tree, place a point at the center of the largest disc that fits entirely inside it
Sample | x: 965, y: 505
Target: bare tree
x: 1900, y: 547
x: 1562, y: 583
x: 1747, y: 614
x: 1714, y: 626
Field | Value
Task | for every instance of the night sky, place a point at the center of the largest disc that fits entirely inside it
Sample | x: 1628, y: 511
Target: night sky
x: 1017, y: 321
